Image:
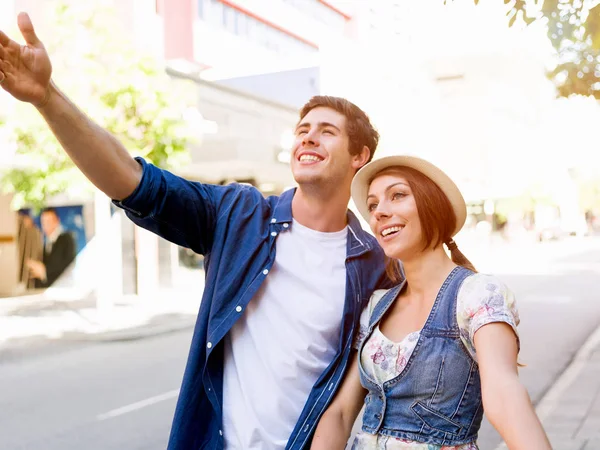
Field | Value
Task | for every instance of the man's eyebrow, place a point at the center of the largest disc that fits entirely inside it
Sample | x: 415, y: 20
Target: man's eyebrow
x: 319, y: 125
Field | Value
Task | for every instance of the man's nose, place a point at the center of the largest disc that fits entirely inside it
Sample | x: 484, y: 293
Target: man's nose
x: 310, y: 138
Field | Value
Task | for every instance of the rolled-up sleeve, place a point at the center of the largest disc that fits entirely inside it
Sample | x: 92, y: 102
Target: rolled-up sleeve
x: 181, y: 211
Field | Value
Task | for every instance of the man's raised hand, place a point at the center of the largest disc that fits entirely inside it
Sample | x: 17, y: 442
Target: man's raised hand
x: 25, y: 70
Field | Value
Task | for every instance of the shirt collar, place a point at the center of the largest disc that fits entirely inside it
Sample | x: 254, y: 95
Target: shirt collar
x: 54, y: 236
x: 357, y: 244
x: 282, y: 213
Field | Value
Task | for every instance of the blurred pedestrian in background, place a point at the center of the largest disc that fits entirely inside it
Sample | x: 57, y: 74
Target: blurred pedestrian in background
x: 59, y: 251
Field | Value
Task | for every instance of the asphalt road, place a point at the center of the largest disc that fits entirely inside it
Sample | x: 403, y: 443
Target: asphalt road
x: 556, y: 286
x: 116, y: 395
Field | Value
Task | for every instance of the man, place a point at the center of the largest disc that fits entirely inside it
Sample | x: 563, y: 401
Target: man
x: 59, y: 251
x: 286, y: 277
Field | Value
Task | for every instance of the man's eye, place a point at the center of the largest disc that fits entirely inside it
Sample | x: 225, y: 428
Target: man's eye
x: 327, y: 132
x: 301, y: 132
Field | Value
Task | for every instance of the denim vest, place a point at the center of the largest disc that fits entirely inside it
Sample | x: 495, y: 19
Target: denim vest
x: 437, y: 397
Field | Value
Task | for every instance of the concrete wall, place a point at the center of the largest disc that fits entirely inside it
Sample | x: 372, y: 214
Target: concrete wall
x: 291, y: 87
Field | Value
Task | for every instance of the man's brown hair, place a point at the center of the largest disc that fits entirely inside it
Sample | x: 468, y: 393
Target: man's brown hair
x: 358, y: 126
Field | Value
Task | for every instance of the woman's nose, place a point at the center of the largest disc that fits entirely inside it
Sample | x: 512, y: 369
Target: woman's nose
x: 381, y: 212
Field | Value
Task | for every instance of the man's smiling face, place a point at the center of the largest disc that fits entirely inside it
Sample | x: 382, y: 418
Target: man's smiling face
x: 320, y: 155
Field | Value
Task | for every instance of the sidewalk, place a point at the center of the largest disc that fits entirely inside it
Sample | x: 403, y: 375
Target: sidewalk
x: 42, y: 317
x: 570, y: 410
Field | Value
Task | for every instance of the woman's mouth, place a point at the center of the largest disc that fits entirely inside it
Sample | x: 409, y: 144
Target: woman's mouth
x: 389, y: 232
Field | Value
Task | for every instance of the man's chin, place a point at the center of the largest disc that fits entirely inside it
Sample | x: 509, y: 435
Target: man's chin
x: 307, y: 178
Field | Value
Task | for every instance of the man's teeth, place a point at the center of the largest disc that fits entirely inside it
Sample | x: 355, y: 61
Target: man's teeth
x: 309, y: 158
x: 391, y: 230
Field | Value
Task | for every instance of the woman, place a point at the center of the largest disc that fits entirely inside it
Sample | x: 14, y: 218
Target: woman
x: 439, y: 348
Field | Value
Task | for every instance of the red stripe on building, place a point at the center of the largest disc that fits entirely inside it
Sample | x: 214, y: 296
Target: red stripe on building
x: 267, y: 22
x: 337, y: 10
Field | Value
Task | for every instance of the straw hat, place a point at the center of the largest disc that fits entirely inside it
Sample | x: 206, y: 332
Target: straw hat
x: 363, y: 178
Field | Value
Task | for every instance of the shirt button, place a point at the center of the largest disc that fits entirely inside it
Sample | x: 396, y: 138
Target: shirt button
x: 209, y: 345
x: 286, y: 225
x: 266, y: 271
x: 273, y: 220
x: 238, y: 309
x: 273, y: 234
x: 220, y: 432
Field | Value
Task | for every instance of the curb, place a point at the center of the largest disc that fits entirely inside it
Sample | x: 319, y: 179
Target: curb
x: 550, y: 401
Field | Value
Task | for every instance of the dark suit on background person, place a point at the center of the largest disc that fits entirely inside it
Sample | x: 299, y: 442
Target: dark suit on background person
x: 57, y: 258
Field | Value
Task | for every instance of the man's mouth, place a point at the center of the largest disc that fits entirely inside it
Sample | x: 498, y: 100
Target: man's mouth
x: 310, y: 158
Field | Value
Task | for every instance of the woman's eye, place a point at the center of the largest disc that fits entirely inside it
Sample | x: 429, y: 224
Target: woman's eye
x: 398, y: 195
x: 371, y: 207
x: 327, y: 132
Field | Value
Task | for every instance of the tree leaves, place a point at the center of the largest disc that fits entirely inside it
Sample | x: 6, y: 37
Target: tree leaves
x: 126, y: 93
x: 573, y: 28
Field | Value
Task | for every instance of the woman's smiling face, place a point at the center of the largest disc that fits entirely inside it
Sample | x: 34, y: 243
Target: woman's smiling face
x: 394, y: 218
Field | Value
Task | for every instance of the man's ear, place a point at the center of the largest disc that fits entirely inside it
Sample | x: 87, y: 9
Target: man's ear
x: 360, y: 159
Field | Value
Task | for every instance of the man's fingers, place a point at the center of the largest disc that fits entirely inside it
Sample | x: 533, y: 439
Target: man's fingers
x: 4, y: 39
x: 27, y: 30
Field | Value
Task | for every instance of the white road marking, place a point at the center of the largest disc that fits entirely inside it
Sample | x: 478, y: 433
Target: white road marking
x: 138, y: 405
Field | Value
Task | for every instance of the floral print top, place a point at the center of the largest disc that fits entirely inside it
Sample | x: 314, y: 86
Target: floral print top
x: 482, y: 299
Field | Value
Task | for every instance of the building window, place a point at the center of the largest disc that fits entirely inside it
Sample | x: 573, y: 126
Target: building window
x: 320, y: 12
x: 242, y: 24
x: 236, y: 22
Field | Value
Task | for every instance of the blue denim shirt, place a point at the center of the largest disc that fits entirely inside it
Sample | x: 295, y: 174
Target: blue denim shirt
x: 235, y: 228
x: 436, y: 399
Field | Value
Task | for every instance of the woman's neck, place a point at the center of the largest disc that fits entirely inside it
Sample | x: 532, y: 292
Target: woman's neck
x: 426, y: 272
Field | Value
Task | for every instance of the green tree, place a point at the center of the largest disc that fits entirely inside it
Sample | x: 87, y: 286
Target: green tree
x: 573, y: 27
x: 127, y: 93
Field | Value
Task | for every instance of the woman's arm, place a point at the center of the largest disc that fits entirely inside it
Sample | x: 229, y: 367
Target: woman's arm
x: 336, y: 423
x: 505, y: 400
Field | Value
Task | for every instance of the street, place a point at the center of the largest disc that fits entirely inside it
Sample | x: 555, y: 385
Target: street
x: 115, y: 395
x: 555, y: 285
x: 121, y: 395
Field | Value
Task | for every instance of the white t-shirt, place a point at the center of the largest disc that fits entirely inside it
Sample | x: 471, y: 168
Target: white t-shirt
x: 286, y: 338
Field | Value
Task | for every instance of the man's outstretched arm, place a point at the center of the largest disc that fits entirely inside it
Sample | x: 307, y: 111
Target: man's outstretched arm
x: 25, y: 73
